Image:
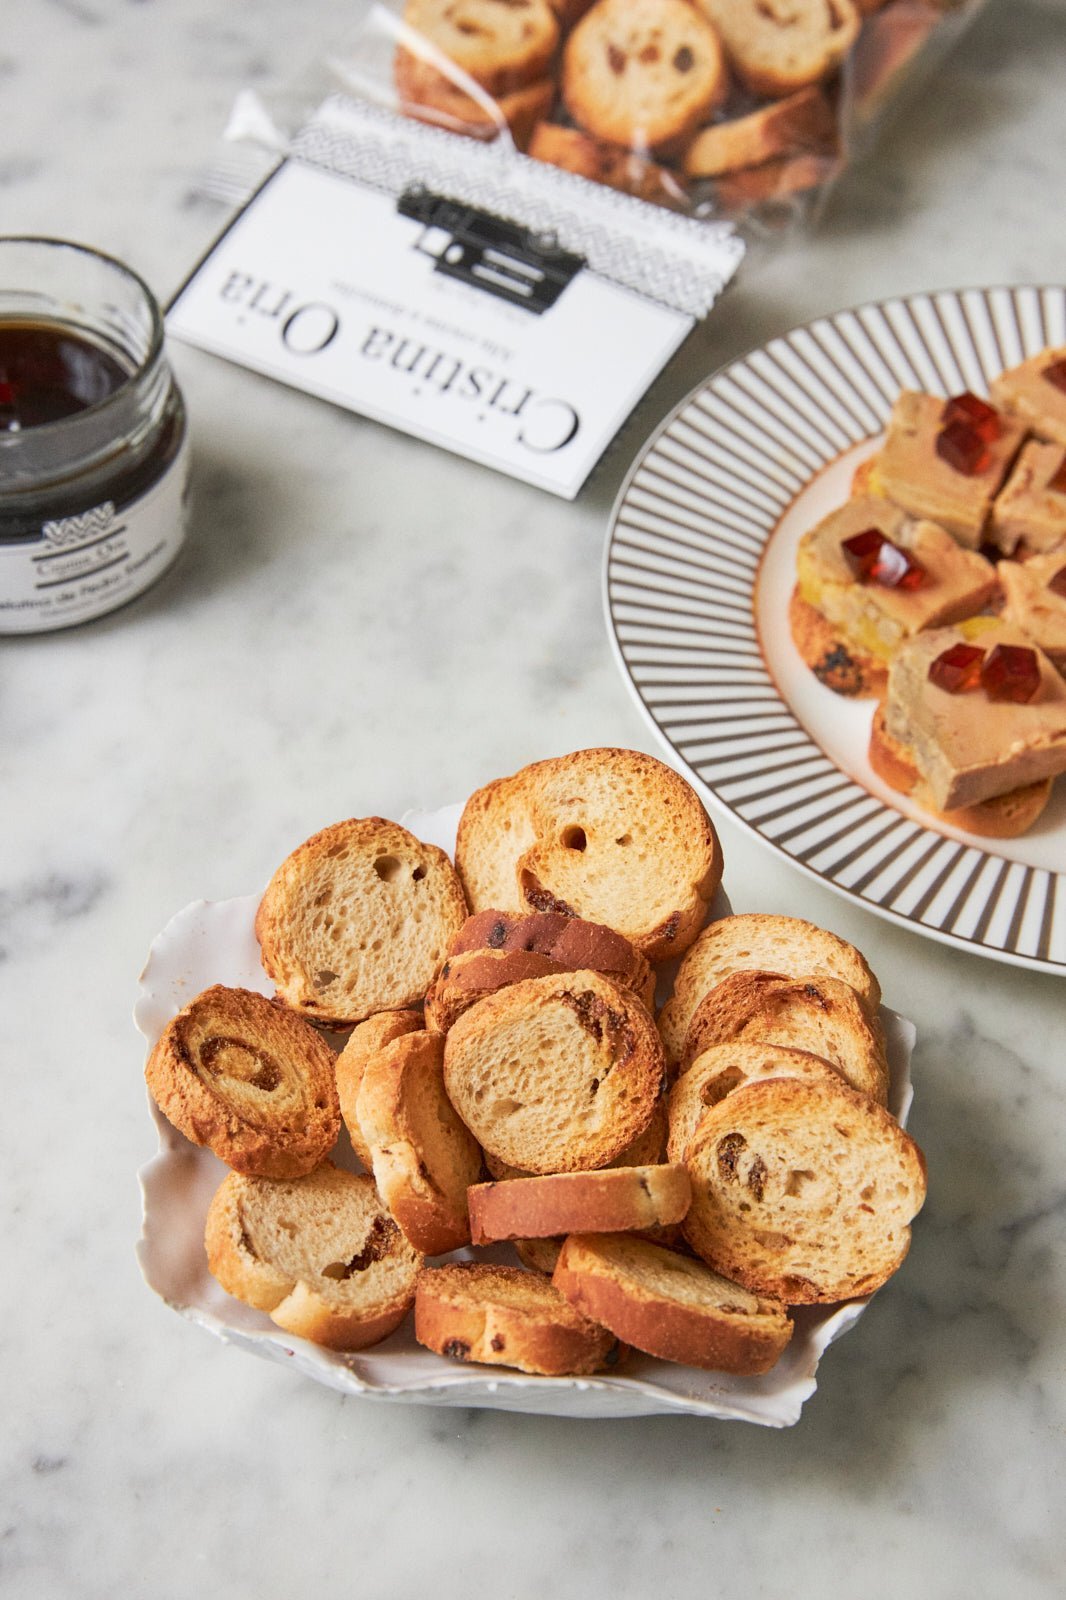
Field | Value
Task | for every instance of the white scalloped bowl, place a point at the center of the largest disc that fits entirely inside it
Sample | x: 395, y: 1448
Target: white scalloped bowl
x: 214, y: 942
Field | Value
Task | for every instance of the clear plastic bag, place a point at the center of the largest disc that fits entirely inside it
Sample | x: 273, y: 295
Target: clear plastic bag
x: 761, y: 153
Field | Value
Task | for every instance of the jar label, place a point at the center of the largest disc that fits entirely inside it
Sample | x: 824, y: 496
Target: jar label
x: 82, y: 566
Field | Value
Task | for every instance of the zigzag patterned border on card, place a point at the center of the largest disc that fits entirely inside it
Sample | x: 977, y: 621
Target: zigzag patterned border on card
x: 678, y: 261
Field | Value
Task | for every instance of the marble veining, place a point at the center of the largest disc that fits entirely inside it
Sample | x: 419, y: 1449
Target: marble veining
x: 361, y: 623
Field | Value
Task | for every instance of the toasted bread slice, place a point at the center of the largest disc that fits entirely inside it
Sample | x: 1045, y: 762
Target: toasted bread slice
x: 505, y: 1317
x: 777, y: 48
x: 424, y: 1158
x: 497, y: 948
x: 495, y: 829
x: 720, y: 1069
x: 618, y: 1199
x: 804, y: 122
x: 503, y: 47
x: 363, y: 1041
x: 643, y: 73
x: 319, y: 1254
x: 556, y: 1074
x: 802, y: 1190
x: 821, y: 1015
x: 1005, y: 816
x: 244, y: 1076
x: 358, y: 920
x: 645, y: 1150
x: 841, y: 665
x: 602, y: 162
x: 427, y: 95
x: 670, y: 1306
x: 779, y: 180
x: 612, y: 836
x: 760, y: 942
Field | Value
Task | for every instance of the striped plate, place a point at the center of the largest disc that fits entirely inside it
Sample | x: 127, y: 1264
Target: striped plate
x: 699, y: 565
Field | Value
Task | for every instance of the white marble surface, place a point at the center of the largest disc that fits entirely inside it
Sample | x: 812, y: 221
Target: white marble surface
x: 361, y: 623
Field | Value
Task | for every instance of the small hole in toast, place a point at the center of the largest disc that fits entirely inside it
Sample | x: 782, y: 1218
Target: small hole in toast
x: 388, y: 868
x: 573, y: 838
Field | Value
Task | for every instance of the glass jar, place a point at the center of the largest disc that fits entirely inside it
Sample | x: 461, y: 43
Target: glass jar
x: 93, y: 457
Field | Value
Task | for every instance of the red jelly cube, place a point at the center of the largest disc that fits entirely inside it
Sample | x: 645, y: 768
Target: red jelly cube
x: 975, y: 413
x: 862, y: 550
x: 897, y: 569
x: 1057, y: 585
x: 957, y: 669
x: 1056, y: 374
x: 963, y: 448
x: 1010, y: 672
x: 1057, y: 482
x: 875, y: 559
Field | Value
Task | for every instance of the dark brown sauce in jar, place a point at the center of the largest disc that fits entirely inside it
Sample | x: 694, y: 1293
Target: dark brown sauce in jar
x: 48, y: 372
x: 92, y: 437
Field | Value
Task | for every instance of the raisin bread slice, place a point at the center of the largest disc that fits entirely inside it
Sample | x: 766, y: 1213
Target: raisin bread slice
x: 502, y: 44
x: 319, y: 1254
x: 802, y: 1190
x: 505, y: 1317
x: 556, y: 1074
x: 670, y: 1306
x: 822, y: 1015
x: 497, y: 948
x: 249, y: 1079
x: 364, y: 1039
x: 612, y: 836
x: 424, y: 1158
x: 720, y: 1069
x: 643, y: 73
x: 358, y: 920
x: 616, y: 1200
x: 761, y: 942
x: 778, y: 46
x: 804, y: 122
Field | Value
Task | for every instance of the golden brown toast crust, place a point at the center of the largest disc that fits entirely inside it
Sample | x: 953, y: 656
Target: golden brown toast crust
x: 249, y: 1079
x: 609, y: 1201
x: 505, y: 1317
x: 841, y: 667
x: 635, y: 1288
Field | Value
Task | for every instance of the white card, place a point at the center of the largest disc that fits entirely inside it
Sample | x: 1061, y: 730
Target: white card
x: 323, y: 283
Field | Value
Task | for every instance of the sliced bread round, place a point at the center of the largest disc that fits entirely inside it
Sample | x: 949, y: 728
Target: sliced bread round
x: 500, y: 44
x: 822, y: 1015
x: 555, y: 1074
x: 759, y: 942
x: 643, y: 73
x: 802, y: 1190
x: 778, y: 46
x: 424, y: 1159
x: 357, y: 920
x: 720, y: 1069
x: 505, y: 1317
x: 364, y: 1039
x: 670, y: 1306
x: 643, y: 1151
x: 249, y: 1079
x: 612, y: 836
x: 496, y: 827
x: 618, y: 1199
x: 497, y: 948
x: 319, y: 1254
